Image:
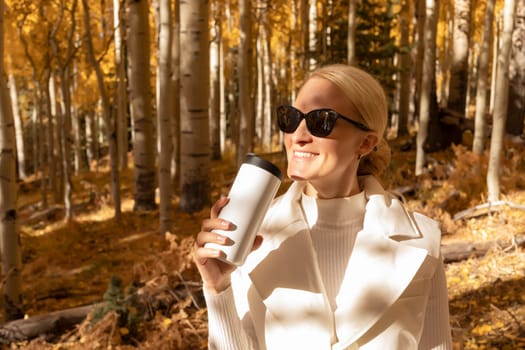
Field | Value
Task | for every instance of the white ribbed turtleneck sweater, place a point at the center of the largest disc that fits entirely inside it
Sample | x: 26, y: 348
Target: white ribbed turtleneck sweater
x: 333, y: 224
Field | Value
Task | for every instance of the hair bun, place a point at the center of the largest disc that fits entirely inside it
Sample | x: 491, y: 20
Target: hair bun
x: 375, y: 162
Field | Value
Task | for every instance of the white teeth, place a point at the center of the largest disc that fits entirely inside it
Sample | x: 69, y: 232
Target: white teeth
x: 303, y: 154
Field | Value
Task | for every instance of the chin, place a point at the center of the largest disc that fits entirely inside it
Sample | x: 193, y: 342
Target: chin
x: 294, y: 175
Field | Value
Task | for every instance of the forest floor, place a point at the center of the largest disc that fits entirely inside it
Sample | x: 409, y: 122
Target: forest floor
x: 159, y: 303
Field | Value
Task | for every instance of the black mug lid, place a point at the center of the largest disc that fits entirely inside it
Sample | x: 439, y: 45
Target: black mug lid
x: 252, y: 158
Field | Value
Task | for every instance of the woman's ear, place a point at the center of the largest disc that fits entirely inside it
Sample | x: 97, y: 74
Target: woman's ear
x: 369, y: 142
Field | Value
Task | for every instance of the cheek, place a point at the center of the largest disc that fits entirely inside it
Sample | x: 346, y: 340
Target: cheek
x: 287, y: 142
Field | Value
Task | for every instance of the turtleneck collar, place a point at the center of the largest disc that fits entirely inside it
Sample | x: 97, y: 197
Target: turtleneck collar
x: 333, y: 212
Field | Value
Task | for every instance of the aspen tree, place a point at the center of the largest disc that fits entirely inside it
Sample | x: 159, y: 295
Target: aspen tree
x: 500, y: 104
x: 9, y: 240
x: 195, y: 77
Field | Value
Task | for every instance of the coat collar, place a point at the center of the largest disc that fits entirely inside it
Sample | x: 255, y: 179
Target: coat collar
x: 379, y: 269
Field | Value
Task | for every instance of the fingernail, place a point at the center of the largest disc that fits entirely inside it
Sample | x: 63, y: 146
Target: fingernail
x: 225, y: 224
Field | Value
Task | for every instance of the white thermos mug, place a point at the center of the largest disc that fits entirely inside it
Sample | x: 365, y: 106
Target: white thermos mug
x: 254, y: 187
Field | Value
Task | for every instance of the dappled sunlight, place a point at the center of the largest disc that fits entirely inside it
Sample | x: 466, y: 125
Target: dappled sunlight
x: 70, y: 264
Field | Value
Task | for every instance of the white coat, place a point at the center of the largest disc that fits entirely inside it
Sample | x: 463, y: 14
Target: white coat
x: 279, y: 293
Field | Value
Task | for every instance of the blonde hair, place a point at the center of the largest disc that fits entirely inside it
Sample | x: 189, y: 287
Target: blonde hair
x: 367, y: 100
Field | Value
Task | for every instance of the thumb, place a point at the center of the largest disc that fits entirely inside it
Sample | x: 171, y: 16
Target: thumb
x: 257, y: 242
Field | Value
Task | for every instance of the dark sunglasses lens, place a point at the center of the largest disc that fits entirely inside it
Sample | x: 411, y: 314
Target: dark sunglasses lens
x: 288, y: 119
x: 320, y: 123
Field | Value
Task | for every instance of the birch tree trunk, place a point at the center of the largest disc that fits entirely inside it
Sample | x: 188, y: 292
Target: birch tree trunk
x: 245, y: 74
x: 9, y: 240
x: 175, y: 88
x: 305, y: 30
x: 19, y: 133
x: 313, y: 49
x: 405, y: 69
x: 164, y: 117
x: 121, y: 93
x: 496, y: 40
x: 426, y: 83
x: 268, y: 88
x: 75, y: 123
x: 64, y: 71
x: 65, y: 144
x: 91, y: 140
x: 140, y: 90
x: 500, y: 103
x: 49, y: 97
x: 259, y: 89
x: 459, y: 63
x: 195, y: 77
x: 215, y: 97
x: 516, y: 103
x: 420, y: 14
x: 107, y: 116
x: 352, y: 24
x: 42, y: 143
x: 38, y: 128
x: 478, y: 145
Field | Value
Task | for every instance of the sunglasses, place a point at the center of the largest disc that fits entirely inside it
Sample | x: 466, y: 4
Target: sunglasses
x: 320, y: 122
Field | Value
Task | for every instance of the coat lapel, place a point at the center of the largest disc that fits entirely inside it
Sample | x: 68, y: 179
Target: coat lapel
x: 379, y: 270
x: 285, y: 274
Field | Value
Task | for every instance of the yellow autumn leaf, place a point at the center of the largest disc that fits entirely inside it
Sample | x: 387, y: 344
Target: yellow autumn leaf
x: 482, y: 329
x: 167, y: 322
x: 123, y: 331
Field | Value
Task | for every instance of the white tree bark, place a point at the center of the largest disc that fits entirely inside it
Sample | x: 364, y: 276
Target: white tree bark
x: 495, y: 53
x: 426, y: 83
x: 500, y: 104
x: 50, y: 101
x: 175, y: 88
x: 121, y: 93
x: 352, y: 24
x: 9, y: 240
x: 478, y: 144
x: 268, y: 88
x: 195, y: 77
x: 215, y: 73
x: 140, y: 93
x: 312, y: 35
x: 165, y: 117
x: 19, y: 132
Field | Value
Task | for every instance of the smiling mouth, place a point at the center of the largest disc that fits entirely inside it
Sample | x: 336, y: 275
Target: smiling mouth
x: 300, y: 154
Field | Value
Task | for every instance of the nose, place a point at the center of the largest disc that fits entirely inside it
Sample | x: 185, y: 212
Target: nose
x: 301, y: 134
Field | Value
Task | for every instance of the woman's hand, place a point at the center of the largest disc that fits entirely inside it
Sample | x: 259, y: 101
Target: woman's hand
x: 214, y: 272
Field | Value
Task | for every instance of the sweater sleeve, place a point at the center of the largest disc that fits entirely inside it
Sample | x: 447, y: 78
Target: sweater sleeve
x: 436, y: 332
x: 225, y: 329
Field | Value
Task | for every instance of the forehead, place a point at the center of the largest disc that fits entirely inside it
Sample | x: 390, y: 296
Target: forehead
x: 321, y: 93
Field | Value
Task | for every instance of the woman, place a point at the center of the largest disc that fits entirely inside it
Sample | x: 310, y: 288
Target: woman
x: 338, y: 264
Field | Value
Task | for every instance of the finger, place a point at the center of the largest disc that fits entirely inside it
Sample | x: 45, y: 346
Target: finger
x: 216, y: 208
x: 202, y: 255
x: 210, y: 237
x: 257, y: 242
x: 216, y: 224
